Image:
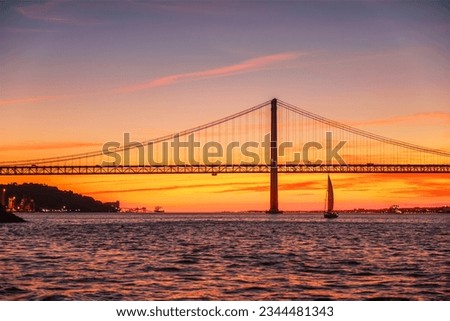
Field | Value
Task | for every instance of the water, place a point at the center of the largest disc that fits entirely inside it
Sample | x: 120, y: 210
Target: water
x: 226, y: 257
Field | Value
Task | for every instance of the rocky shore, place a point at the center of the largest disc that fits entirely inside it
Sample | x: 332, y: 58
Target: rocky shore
x: 7, y: 217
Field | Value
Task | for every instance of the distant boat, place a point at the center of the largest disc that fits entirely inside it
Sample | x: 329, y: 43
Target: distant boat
x: 159, y: 209
x: 329, y: 201
x: 395, y: 209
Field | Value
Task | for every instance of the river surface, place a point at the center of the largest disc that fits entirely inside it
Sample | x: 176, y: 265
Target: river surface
x: 225, y: 257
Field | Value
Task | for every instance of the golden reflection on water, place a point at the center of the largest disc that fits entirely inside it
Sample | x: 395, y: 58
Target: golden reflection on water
x: 225, y: 257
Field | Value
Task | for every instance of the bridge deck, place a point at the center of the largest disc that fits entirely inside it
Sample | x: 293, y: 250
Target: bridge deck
x: 219, y: 169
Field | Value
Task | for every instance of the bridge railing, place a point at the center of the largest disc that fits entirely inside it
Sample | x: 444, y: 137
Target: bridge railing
x: 221, y: 169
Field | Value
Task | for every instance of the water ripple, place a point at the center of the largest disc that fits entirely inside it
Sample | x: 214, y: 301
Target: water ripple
x: 225, y: 257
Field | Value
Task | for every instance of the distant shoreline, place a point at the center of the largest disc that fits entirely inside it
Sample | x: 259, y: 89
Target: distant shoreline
x: 236, y: 213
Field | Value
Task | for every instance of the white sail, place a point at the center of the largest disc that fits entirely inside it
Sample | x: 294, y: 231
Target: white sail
x: 330, y: 194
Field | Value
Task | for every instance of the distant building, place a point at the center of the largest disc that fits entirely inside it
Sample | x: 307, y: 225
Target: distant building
x: 3, y: 197
x: 12, y: 203
x: 395, y: 209
x: 26, y: 205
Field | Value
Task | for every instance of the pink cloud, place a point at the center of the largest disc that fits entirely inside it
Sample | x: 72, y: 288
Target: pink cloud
x: 41, y: 11
x: 54, y: 11
x: 204, y: 7
x: 18, y: 101
x: 249, y: 65
x: 419, y: 117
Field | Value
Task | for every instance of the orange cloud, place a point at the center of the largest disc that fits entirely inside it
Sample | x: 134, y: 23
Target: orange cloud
x: 310, y: 185
x: 41, y: 146
x: 165, y: 188
x: 18, y: 101
x: 249, y: 65
x: 237, y: 187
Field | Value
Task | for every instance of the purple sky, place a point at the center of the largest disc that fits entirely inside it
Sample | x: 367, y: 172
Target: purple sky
x: 75, y: 74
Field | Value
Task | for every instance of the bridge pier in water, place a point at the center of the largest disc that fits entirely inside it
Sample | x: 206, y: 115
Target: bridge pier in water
x: 273, y: 160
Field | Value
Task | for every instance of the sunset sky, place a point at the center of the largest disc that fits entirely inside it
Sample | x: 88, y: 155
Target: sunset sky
x: 76, y: 74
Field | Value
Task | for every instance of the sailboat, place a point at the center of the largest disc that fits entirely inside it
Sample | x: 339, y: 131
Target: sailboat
x: 329, y: 201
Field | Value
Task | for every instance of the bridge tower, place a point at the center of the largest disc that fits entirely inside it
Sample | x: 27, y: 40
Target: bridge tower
x: 273, y: 160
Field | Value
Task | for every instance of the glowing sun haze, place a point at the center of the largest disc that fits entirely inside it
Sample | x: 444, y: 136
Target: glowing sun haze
x: 75, y: 74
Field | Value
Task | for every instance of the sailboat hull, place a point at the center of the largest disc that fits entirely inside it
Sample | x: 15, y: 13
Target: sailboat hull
x: 330, y: 215
x: 330, y: 201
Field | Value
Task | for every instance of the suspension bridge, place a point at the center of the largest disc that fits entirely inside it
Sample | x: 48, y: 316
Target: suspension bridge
x: 272, y: 137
